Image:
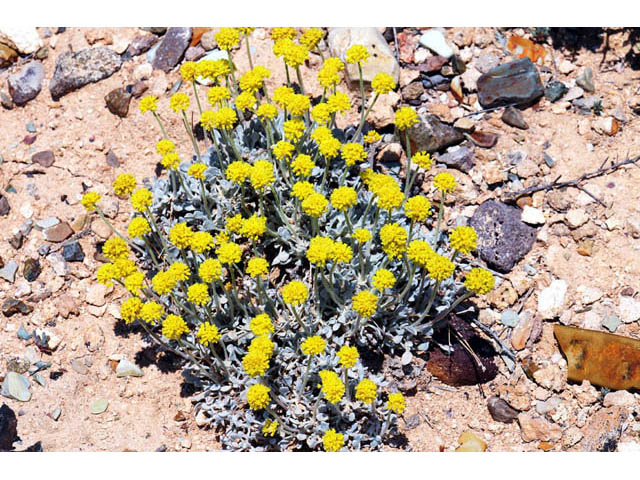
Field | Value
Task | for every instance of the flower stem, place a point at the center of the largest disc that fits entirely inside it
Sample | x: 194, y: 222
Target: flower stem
x: 246, y: 41
x: 164, y: 132
x: 408, y: 173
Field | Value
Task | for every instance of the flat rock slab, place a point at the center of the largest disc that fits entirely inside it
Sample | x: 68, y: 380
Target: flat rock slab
x: 172, y: 48
x: 432, y: 135
x: 26, y: 84
x: 516, y: 82
x: 58, y: 233
x: 503, y: 238
x: 77, y: 69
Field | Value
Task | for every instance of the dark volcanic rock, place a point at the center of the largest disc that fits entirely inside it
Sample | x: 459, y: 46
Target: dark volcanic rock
x: 555, y: 91
x: 516, y: 82
x: 172, y: 48
x: 26, y: 84
x: 11, y: 306
x: 432, y: 135
x: 461, y: 158
x: 503, y: 239
x: 77, y: 69
x: 118, y: 101
x: 31, y: 269
x: 44, y: 159
x: 141, y: 44
x: 8, y: 428
x: 4, y: 206
x: 501, y: 411
x: 72, y: 252
x: 512, y: 116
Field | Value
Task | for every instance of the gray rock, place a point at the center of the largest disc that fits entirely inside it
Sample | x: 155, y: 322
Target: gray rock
x: 208, y: 40
x: 128, y: 369
x: 99, y: 406
x: 117, y: 101
x: 172, y: 48
x: 501, y: 411
x: 78, y: 366
x: 513, y: 117
x: 509, y: 318
x: 11, y: 306
x: 503, y: 239
x: 16, y: 386
x: 6, y: 102
x: 44, y: 159
x: 585, y: 105
x: 381, y: 57
x: 77, y: 69
x: 486, y: 61
x: 461, y: 158
x: 47, y: 223
x: 72, y: 252
x: 611, y: 322
x: 155, y: 30
x: 8, y: 428
x: 194, y: 53
x: 5, y: 208
x: 585, y: 80
x: 432, y: 135
x: 55, y: 415
x: 31, y: 269
x: 8, y: 272
x: 516, y: 82
x: 140, y: 44
x: 26, y: 84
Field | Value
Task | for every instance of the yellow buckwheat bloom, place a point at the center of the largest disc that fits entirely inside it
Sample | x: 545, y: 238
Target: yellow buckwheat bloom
x: 390, y: 197
x: 383, y: 279
x: 321, y: 113
x: 311, y: 37
x: 329, y: 147
x: 319, y: 250
x: 405, y: 118
x: 383, y: 83
x: 210, y: 270
x: 332, y: 387
x: 230, y: 253
x: 141, y: 200
x: 234, y: 224
x: 396, y: 403
x: 262, y: 345
x: 188, y: 71
x: 332, y: 441
x: 341, y: 253
x: 353, y: 153
x: 181, y: 235
x: 124, y: 184
x: 115, y: 248
x: 254, y: 226
x: 298, y: 104
x: 255, y: 364
x: 343, y: 198
x: 303, y: 165
x: 348, y: 356
x: 422, y: 159
x: 228, y: 38
x: 394, y: 240
x: 180, y: 271
x: 148, y: 103
x: 278, y: 33
x: 124, y: 266
x: 217, y: 95
x: 283, y: 150
x: 89, y: 201
x: 107, y: 273
x: 339, y: 102
x: 328, y: 77
x: 257, y: 267
x: 130, y: 309
x: 313, y: 345
x: 439, y: 267
x: 417, y: 208
x: 365, y: 303
x: 163, y: 282
x: 238, y: 171
x: 357, y: 54
x: 197, y: 171
x: 315, y: 205
x: 366, y: 391
x: 225, y: 118
x: 463, y: 239
x: 198, y: 294
x: 245, y: 101
x: 281, y: 95
x: 250, y: 82
x: 151, y: 312
x: 293, y: 130
x: 138, y: 227
x: 174, y: 327
x: 302, y: 190
x: 261, y: 175
x: 270, y: 428
x: 420, y: 253
x: 208, y: 334
x: 267, y: 111
x: 179, y: 102
x: 362, y: 235
x: 295, y: 293
x: 261, y: 325
x: 295, y: 55
x: 445, y: 182
x: 372, y: 137
x: 171, y: 161
x: 479, y: 281
x: 258, y: 396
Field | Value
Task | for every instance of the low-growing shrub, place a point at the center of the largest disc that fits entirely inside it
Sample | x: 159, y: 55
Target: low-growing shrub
x: 273, y: 261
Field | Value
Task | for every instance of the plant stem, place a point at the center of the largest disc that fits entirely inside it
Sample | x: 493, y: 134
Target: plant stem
x: 408, y: 173
x: 164, y: 132
x: 246, y: 41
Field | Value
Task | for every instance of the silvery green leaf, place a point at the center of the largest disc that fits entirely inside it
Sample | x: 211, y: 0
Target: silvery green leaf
x: 407, y: 356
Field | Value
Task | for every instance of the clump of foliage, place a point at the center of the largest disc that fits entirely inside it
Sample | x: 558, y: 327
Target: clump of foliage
x: 274, y: 260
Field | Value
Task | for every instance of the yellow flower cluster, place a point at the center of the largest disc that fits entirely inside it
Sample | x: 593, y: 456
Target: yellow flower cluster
x: 151, y: 312
x: 284, y: 150
x: 124, y: 184
x: 315, y: 205
x: 348, y: 356
x: 174, y: 326
x: 366, y: 391
x: 479, y: 281
x: 261, y: 324
x: 179, y: 102
x: 197, y: 170
x: 332, y: 441
x: 383, y: 83
x: 343, y: 198
x: 295, y: 293
x: 208, y: 334
x: 365, y: 303
x: 463, y: 239
x: 293, y: 130
x: 148, y: 103
x: 130, y: 309
x: 357, y: 54
x: 405, y: 118
x: 396, y: 403
x: 181, y: 235
x: 141, y: 200
x: 230, y: 253
x: 422, y: 159
x: 238, y: 171
x: 198, y: 294
x: 313, y: 345
x: 417, y: 208
x: 332, y: 387
x: 445, y: 182
x: 89, y: 201
x: 228, y: 38
x: 261, y: 175
x: 210, y: 270
x: 362, y: 235
x: 420, y: 253
x: 394, y: 240
x: 254, y: 226
x: 115, y: 248
x: 257, y: 267
x: 383, y: 279
x: 303, y: 165
x: 353, y: 153
x: 258, y: 396
x: 319, y: 250
x: 216, y: 96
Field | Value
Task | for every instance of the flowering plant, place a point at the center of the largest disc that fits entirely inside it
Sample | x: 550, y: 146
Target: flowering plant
x: 275, y: 260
